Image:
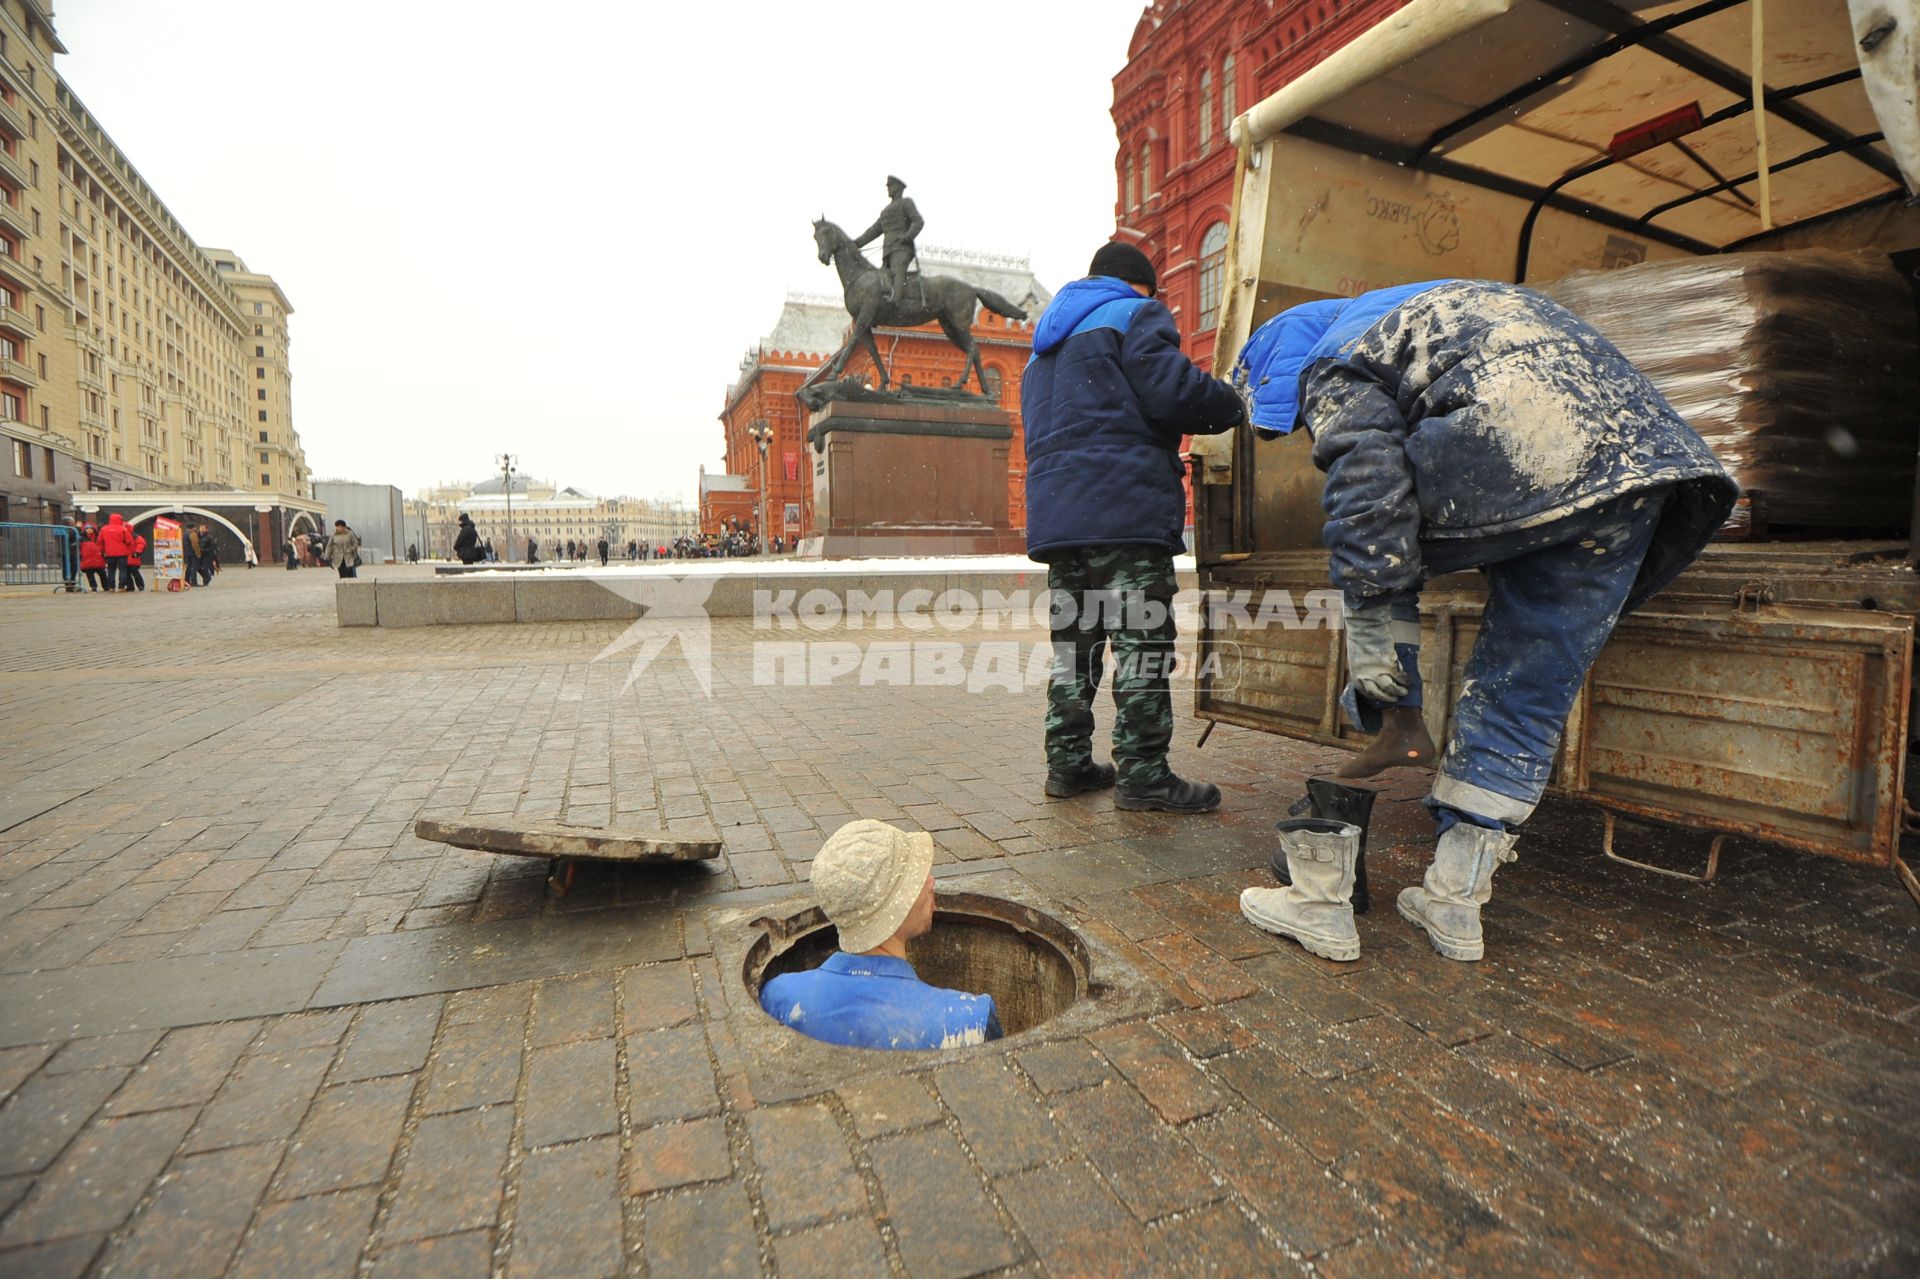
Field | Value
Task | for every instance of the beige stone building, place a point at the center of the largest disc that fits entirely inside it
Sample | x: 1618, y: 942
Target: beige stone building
x: 131, y: 358
x: 552, y: 515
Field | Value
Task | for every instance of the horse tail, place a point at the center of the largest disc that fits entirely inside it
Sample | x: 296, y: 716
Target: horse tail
x: 999, y: 305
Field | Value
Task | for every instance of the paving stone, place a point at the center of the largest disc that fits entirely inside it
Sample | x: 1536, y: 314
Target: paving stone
x: 17, y: 1064
x: 474, y: 1065
x: 348, y: 1138
x: 1211, y: 978
x: 453, y: 1174
x: 60, y: 1259
x: 198, y: 1213
x: 658, y: 995
x: 489, y: 1004
x: 186, y: 1069
x: 390, y: 1039
x: 669, y: 1076
x: 839, y: 1250
x: 1217, y: 1240
x: 45, y: 1114
x: 99, y: 1179
x: 263, y: 1100
x: 1006, y: 1129
x: 941, y: 1217
x: 569, y: 1008
x: 319, y: 1237
x: 806, y: 1172
x: 570, y: 1093
x: 1175, y: 1088
x: 1151, y: 1170
x: 567, y: 1217
x: 1063, y: 1065
x: 1411, y: 1190
x: 1298, y: 1200
x: 303, y: 1030
x: 669, y: 1155
x: 703, y: 1233
x: 1074, y: 1222
x: 889, y: 1103
x: 461, y: 1256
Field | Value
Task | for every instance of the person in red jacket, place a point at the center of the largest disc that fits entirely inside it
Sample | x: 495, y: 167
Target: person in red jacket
x: 136, y: 547
x: 115, y: 542
x: 92, y: 563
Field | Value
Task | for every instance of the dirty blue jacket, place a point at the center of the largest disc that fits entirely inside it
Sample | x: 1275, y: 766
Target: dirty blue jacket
x: 1105, y: 401
x: 1467, y: 409
x: 877, y: 1001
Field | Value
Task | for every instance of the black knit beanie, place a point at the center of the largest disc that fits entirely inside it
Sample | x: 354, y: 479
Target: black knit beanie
x: 1124, y: 262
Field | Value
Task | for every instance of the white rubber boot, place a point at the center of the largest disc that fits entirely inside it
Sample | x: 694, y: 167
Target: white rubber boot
x: 1447, y: 903
x: 1315, y: 910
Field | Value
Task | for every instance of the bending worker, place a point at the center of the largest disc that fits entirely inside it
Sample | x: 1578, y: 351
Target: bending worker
x: 1471, y: 424
x: 875, y: 884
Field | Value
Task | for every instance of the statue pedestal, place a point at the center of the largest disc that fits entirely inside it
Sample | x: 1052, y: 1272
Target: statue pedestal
x: 910, y: 478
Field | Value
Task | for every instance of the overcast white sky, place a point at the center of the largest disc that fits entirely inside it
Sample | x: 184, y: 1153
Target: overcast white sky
x: 555, y: 228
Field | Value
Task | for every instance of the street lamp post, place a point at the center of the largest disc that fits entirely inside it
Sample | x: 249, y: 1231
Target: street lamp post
x: 762, y: 435
x: 507, y: 463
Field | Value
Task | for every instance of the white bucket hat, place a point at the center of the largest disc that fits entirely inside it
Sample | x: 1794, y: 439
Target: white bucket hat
x: 868, y: 876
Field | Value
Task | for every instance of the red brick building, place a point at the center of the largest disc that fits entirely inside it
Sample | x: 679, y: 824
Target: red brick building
x: 778, y: 482
x: 1192, y: 66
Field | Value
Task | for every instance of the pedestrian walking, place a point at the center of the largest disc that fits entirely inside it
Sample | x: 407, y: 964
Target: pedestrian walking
x: 253, y: 560
x: 70, y: 554
x: 466, y: 544
x: 533, y: 551
x: 601, y: 546
x: 1106, y: 400
x: 292, y: 552
x: 343, y: 550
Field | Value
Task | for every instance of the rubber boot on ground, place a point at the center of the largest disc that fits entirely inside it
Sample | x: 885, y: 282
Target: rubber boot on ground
x: 1447, y: 902
x: 1316, y: 908
x: 1351, y: 804
x: 1403, y: 742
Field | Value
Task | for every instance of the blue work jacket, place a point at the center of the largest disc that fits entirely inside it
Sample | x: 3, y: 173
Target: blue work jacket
x: 877, y: 1001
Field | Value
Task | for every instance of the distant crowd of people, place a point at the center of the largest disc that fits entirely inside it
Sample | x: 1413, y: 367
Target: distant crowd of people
x: 110, y: 556
x: 470, y: 548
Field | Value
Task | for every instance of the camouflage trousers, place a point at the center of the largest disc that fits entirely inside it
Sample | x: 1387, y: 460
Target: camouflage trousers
x: 1119, y: 597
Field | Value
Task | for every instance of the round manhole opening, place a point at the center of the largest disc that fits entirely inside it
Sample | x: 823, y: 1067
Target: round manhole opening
x: 1031, y: 963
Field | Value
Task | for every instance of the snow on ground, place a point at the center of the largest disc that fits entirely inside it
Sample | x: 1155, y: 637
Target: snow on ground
x: 780, y: 566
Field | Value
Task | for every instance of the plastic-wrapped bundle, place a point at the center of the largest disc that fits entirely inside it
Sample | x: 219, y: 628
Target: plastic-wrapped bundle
x: 1802, y: 370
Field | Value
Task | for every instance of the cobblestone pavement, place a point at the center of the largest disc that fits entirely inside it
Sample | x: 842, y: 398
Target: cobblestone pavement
x: 249, y: 1025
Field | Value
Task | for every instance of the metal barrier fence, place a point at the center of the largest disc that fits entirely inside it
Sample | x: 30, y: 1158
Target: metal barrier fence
x: 39, y: 555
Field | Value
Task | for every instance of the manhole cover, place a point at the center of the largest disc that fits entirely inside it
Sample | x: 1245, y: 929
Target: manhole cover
x: 1033, y: 965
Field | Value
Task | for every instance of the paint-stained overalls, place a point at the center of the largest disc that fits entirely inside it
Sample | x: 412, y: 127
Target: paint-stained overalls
x: 1471, y: 424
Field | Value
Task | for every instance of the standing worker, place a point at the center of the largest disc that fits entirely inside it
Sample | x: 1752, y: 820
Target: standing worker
x: 1471, y: 424
x: 1107, y: 398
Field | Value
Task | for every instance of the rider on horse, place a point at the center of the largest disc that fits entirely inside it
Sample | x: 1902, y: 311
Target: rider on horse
x: 900, y: 223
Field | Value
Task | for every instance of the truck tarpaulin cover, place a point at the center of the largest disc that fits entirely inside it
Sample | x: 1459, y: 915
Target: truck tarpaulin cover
x: 1802, y: 370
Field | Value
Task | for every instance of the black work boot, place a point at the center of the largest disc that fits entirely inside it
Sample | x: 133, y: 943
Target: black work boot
x: 1351, y: 804
x: 1092, y: 777
x: 1169, y: 796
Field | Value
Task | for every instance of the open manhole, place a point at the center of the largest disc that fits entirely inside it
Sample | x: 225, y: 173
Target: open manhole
x: 1032, y: 964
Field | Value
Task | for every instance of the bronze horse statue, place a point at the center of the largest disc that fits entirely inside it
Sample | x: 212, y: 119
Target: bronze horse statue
x: 945, y: 298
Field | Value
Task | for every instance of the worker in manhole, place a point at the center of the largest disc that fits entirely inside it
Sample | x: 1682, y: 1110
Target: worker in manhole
x: 1107, y: 398
x: 1468, y: 424
x: 874, y: 882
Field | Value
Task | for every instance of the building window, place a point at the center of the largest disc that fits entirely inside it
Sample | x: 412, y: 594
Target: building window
x: 1146, y: 171
x: 1206, y: 112
x: 260, y: 394
x: 263, y: 415
x: 1227, y: 103
x: 264, y: 458
x: 259, y: 308
x: 12, y: 406
x: 1133, y: 191
x: 259, y: 352
x: 22, y: 460
x: 990, y: 379
x: 260, y: 373
x: 1213, y: 264
x: 264, y: 479
x: 263, y: 437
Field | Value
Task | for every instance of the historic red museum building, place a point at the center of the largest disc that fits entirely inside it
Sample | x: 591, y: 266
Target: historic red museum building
x: 777, y: 480
x: 1192, y: 66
